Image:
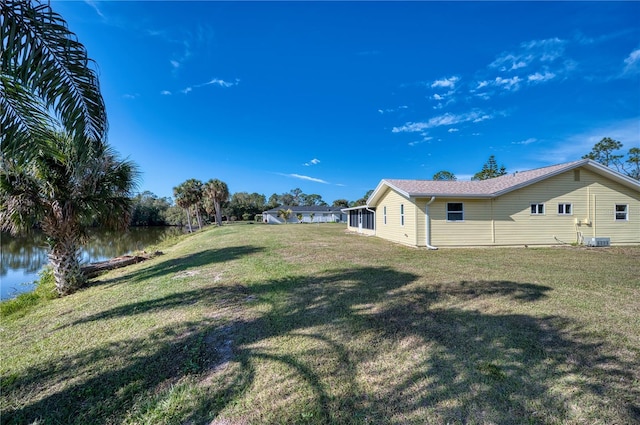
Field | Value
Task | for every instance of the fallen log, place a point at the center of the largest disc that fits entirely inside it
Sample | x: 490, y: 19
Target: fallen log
x: 95, y: 269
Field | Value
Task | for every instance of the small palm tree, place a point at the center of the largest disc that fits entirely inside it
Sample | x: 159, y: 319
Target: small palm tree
x: 216, y: 192
x: 64, y: 194
x: 285, y: 214
x: 299, y: 217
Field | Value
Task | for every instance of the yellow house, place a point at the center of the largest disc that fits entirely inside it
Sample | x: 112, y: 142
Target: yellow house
x: 580, y: 202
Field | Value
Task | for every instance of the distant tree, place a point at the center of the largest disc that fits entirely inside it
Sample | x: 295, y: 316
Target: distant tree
x: 312, y: 216
x: 299, y: 217
x: 148, y: 209
x: 490, y: 170
x: 217, y: 192
x: 273, y: 202
x: 174, y: 216
x: 604, y: 152
x: 634, y: 163
x: 341, y: 203
x: 363, y: 200
x: 310, y: 200
x: 297, y: 196
x: 444, y: 176
x: 242, y: 203
x: 287, y: 199
x: 184, y: 201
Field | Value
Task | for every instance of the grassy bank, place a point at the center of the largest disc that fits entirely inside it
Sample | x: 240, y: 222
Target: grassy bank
x: 309, y: 324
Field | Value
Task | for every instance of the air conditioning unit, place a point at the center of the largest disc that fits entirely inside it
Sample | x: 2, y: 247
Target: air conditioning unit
x: 597, y: 241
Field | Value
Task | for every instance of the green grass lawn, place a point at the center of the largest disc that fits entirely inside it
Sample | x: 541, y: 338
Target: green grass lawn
x: 309, y: 324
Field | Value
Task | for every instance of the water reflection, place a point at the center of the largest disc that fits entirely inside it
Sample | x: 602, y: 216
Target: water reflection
x: 23, y: 257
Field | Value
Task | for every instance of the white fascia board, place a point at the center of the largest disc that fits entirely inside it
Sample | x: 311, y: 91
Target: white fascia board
x: 379, y: 190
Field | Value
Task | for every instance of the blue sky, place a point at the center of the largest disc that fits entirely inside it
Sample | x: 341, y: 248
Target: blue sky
x: 331, y: 97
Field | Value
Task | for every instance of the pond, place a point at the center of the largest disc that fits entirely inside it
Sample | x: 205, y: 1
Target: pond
x: 23, y: 257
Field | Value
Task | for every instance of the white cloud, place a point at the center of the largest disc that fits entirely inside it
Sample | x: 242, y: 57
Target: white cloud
x: 314, y: 161
x: 546, y: 50
x: 525, y: 142
x: 632, y: 63
x: 311, y: 179
x: 438, y: 97
x: 213, y: 81
x: 131, y: 96
x: 221, y: 83
x: 453, y: 130
x: 165, y: 93
x: 442, y: 120
x: 445, y: 82
x: 175, y: 64
x: 538, y: 77
x: 95, y: 7
x: 388, y: 110
x: 512, y: 83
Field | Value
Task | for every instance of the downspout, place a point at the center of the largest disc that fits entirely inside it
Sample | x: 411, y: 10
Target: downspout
x: 427, y: 229
x: 374, y: 218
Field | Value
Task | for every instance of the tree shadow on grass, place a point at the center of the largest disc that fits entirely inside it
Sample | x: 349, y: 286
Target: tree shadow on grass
x: 164, y: 268
x: 372, y: 345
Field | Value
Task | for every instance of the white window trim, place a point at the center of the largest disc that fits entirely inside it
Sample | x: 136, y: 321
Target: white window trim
x: 626, y: 212
x: 564, y: 204
x: 544, y: 208
x: 455, y: 212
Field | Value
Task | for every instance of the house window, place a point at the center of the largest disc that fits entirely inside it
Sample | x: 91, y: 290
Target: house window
x: 402, y: 214
x: 576, y: 175
x: 622, y: 212
x: 384, y: 215
x: 455, y: 211
x: 537, y: 209
x: 564, y: 209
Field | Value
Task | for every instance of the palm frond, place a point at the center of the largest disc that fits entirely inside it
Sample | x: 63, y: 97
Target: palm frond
x: 25, y: 121
x: 42, y: 54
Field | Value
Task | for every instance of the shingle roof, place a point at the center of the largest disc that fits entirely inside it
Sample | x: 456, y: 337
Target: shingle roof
x: 307, y: 208
x: 491, y: 187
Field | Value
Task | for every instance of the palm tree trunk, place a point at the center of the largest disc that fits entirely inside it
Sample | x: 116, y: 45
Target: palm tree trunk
x: 65, y: 263
x: 218, y: 212
x: 198, y: 217
x: 188, y: 219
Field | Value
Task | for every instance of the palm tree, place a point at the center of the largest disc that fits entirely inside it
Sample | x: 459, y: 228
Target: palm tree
x: 189, y: 195
x: 285, y: 214
x: 45, y: 81
x: 64, y: 191
x: 182, y: 199
x: 217, y: 192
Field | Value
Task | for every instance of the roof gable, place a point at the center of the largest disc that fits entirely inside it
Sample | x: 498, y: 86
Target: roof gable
x: 491, y: 188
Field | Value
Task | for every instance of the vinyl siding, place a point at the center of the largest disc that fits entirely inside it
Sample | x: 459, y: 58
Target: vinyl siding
x: 593, y: 198
x: 507, y: 220
x: 474, y: 230
x: 393, y: 230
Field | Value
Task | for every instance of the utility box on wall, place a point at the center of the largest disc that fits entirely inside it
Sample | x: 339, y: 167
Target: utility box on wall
x: 597, y: 241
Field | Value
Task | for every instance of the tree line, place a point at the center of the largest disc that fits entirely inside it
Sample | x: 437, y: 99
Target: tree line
x: 196, y: 203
